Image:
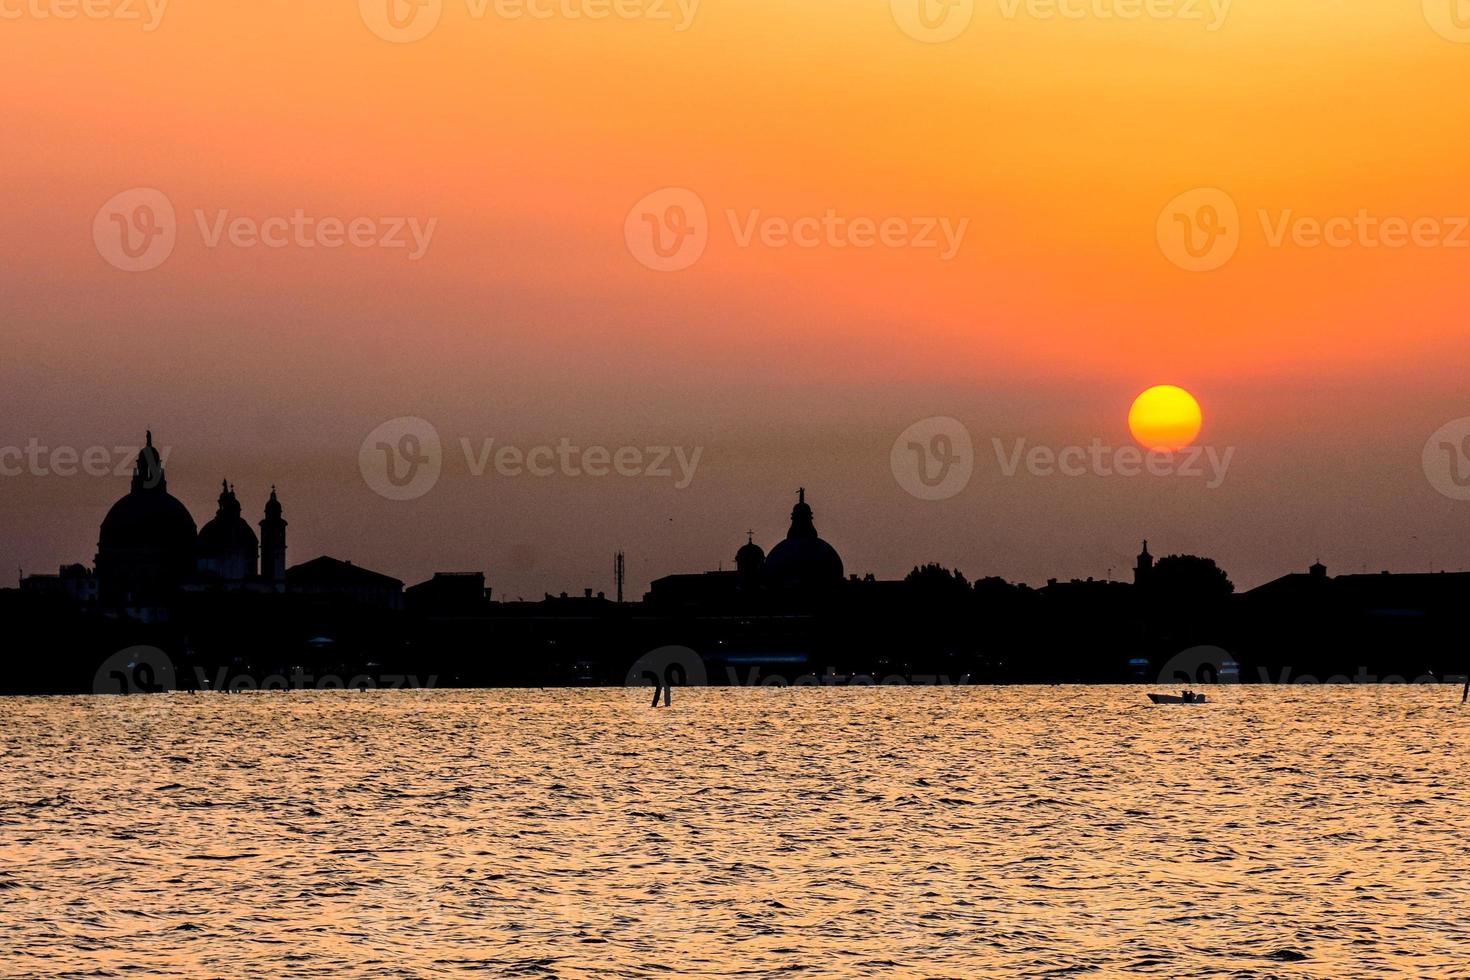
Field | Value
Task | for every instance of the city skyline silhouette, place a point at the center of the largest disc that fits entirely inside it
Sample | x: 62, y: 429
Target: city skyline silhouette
x: 591, y: 488
x: 162, y: 579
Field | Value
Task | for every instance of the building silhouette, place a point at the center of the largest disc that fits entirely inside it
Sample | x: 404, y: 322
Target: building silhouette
x: 273, y: 545
x: 334, y: 578
x: 146, y: 547
x: 803, y: 562
x: 75, y: 582
x: 149, y: 553
x: 750, y: 562
x: 227, y: 548
x: 800, y: 568
x: 222, y: 600
x: 1144, y: 566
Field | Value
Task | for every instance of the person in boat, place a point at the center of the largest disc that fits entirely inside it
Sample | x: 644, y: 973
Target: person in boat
x: 1187, y: 697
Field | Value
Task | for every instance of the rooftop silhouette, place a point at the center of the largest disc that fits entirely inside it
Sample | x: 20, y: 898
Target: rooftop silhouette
x: 223, y: 597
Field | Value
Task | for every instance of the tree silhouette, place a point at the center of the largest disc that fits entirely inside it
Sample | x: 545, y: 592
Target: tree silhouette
x: 934, y: 578
x: 1190, y: 578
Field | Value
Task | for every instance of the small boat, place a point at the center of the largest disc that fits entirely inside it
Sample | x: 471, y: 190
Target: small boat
x: 1178, y: 699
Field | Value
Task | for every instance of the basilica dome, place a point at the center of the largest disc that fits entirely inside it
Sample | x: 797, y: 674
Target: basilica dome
x: 228, y: 546
x: 147, y: 519
x: 750, y: 562
x: 750, y: 555
x: 149, y: 516
x: 803, y: 561
x: 146, y: 544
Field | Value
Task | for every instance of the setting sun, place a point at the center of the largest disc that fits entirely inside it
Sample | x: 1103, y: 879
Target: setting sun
x: 1165, y: 417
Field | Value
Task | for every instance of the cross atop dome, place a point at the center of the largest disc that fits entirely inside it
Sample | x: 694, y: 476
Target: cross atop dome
x: 803, y: 561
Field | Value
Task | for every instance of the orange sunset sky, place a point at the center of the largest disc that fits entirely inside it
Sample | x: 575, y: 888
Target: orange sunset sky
x: 1057, y: 140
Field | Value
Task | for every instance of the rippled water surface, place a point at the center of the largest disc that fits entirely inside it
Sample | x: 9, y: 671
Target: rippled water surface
x: 1321, y: 832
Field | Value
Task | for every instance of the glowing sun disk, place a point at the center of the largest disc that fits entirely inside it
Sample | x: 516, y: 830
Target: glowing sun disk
x: 1165, y: 417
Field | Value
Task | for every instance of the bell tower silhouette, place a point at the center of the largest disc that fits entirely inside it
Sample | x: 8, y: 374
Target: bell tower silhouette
x: 273, y: 544
x: 1145, y: 567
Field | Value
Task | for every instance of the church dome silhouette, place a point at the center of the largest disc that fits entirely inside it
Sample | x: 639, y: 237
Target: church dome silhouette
x: 149, y: 516
x: 145, y: 520
x: 228, y: 546
x: 227, y: 531
x: 750, y: 562
x: 146, y: 543
x: 803, y: 561
x: 750, y: 555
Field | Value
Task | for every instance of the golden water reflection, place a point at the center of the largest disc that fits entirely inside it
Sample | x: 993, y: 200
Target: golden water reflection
x: 964, y: 832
